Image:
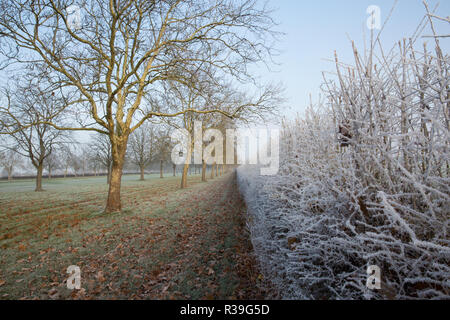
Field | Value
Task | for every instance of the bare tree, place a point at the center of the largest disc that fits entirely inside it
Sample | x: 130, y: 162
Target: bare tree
x: 101, y: 153
x: 204, y: 95
x: 180, y: 96
x: 163, y: 148
x: 27, y: 104
x: 9, y: 160
x: 124, y: 50
x: 141, y: 148
x: 84, y: 157
x: 52, y: 162
x: 68, y: 160
x: 94, y: 165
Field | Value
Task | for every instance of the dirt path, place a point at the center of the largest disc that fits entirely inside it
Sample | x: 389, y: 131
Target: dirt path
x: 212, y: 256
x: 172, y: 244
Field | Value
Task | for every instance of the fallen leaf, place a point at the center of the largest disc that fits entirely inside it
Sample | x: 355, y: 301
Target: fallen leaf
x: 100, y: 277
x: 53, y: 293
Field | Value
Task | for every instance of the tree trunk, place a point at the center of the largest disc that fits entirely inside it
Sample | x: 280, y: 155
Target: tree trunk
x: 184, y: 176
x: 10, y: 171
x: 142, y: 173
x: 161, y: 169
x: 49, y: 172
x: 212, y: 171
x: 203, y: 171
x: 174, y: 166
x: 40, y: 169
x: 186, y: 168
x: 113, y: 203
x: 217, y: 170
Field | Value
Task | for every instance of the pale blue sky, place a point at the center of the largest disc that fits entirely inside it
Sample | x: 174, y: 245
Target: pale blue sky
x: 314, y: 29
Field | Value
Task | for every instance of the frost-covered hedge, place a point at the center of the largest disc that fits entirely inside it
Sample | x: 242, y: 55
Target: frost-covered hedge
x: 363, y: 180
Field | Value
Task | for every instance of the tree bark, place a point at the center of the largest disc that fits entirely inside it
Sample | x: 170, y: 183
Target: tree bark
x: 212, y: 171
x: 186, y: 168
x: 174, y: 166
x: 113, y: 203
x: 184, y: 176
x: 203, y: 171
x: 161, y: 169
x: 49, y: 172
x: 40, y: 169
x: 142, y: 173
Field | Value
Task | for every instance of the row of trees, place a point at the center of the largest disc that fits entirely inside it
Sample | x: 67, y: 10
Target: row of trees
x: 148, y: 149
x: 78, y: 159
x: 130, y: 62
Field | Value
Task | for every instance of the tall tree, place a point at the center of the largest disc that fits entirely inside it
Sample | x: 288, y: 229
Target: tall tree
x: 123, y: 50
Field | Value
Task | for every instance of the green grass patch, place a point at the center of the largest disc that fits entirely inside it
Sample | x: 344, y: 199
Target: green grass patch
x: 166, y: 243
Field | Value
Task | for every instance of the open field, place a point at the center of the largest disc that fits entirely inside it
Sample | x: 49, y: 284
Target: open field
x: 166, y: 244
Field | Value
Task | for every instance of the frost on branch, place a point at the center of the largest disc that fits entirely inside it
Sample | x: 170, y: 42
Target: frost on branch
x: 381, y: 197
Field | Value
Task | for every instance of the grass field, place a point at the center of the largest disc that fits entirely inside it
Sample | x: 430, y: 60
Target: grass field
x: 167, y: 243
